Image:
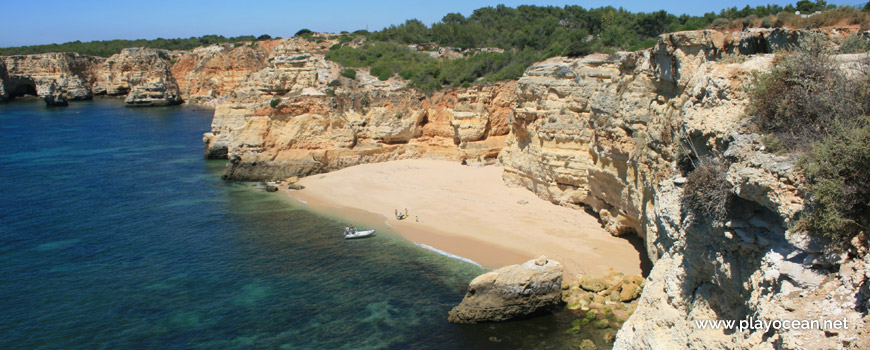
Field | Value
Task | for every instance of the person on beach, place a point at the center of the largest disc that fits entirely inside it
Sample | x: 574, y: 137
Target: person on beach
x: 418, y: 218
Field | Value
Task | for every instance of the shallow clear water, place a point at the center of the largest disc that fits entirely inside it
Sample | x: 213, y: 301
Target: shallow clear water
x: 115, y: 233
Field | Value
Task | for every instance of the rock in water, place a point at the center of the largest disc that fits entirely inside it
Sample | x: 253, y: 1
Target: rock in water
x: 511, y: 292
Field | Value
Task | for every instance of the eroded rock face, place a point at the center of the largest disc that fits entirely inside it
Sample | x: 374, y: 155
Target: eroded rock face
x: 142, y: 74
x: 511, y: 292
x: 206, y: 75
x: 323, y: 121
x: 48, y: 74
x: 607, y: 133
x: 3, y: 78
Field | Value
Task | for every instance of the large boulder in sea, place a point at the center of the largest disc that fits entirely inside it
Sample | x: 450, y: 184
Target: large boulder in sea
x: 510, y: 292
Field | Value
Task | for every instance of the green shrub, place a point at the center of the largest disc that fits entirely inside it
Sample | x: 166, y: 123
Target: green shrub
x: 382, y: 71
x: 275, y: 102
x: 330, y: 92
x: 708, y: 194
x: 334, y: 83
x: 349, y: 73
x: 855, y: 44
x: 303, y: 32
x: 648, y: 43
x: 773, y: 144
x: 837, y: 170
x: 577, y: 49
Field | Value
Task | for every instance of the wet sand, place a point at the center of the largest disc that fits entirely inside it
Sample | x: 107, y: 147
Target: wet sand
x: 470, y: 212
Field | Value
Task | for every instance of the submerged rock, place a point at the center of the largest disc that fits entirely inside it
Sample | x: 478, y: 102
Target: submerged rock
x: 511, y: 292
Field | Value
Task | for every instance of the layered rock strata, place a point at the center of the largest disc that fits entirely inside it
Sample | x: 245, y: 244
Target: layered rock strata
x: 510, y: 292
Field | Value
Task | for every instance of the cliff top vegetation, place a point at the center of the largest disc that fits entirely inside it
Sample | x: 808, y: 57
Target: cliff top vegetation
x: 527, y: 34
x: 107, y: 48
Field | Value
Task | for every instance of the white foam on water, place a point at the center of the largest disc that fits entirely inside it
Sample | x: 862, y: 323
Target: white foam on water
x: 439, y: 251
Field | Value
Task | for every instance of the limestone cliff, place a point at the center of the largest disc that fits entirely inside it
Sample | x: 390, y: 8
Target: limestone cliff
x: 3, y: 78
x: 314, y: 132
x: 322, y: 121
x: 608, y: 133
x: 141, y: 74
x: 52, y: 73
x: 207, y: 74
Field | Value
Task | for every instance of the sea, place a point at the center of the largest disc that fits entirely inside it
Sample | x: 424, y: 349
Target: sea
x: 116, y: 233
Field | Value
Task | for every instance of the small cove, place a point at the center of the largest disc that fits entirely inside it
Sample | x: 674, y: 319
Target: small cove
x: 116, y: 233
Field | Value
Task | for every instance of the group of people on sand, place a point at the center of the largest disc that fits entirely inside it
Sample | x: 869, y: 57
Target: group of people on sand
x: 403, y: 216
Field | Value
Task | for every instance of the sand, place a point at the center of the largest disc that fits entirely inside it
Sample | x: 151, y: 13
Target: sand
x: 470, y: 212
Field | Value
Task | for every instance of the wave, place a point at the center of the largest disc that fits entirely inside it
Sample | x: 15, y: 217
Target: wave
x: 439, y: 251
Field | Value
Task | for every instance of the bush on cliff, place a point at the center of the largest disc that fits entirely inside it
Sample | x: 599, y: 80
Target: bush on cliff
x: 349, y: 73
x: 804, y: 92
x: 817, y: 109
x: 427, y: 73
x: 708, y: 194
x: 855, y: 44
x: 838, y: 175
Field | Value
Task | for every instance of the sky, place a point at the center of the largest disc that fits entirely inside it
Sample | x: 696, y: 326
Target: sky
x: 53, y: 21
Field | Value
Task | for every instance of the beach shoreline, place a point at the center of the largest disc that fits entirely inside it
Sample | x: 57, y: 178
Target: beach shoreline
x: 469, y: 212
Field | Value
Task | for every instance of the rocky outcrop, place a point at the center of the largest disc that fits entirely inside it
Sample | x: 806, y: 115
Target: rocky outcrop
x: 3, y: 78
x: 48, y: 74
x: 322, y: 121
x: 142, y: 74
x: 313, y: 133
x: 55, y: 97
x: 511, y: 292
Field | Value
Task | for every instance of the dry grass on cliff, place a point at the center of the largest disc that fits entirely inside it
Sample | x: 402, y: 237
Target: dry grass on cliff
x: 798, y: 100
x: 840, y: 17
x: 708, y: 194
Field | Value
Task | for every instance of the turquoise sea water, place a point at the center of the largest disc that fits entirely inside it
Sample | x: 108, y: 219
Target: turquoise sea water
x: 115, y: 233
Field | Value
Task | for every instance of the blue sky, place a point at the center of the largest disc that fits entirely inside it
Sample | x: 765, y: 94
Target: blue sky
x: 52, y: 21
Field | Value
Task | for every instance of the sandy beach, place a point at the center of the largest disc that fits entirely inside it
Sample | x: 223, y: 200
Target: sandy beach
x: 470, y: 212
